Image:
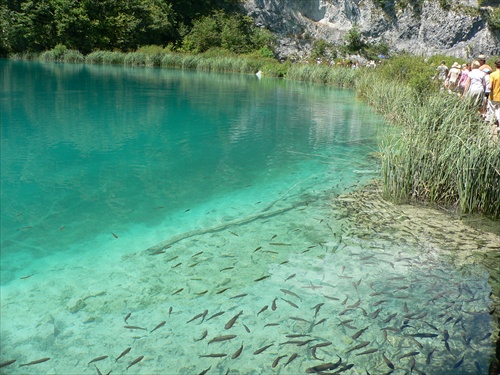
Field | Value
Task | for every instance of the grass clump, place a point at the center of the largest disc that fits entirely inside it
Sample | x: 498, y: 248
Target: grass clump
x: 445, y: 154
x: 61, y: 53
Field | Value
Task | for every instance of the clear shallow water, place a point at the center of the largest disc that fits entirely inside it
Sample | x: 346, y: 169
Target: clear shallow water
x: 166, y: 194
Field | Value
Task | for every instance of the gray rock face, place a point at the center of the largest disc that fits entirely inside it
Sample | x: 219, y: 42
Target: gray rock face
x: 422, y: 27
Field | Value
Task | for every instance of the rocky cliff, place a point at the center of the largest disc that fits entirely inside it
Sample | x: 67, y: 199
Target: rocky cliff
x: 458, y: 28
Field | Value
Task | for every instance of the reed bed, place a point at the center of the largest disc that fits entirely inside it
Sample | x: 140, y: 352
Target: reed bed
x: 445, y: 155
x: 339, y: 77
x: 62, y: 55
x: 105, y: 57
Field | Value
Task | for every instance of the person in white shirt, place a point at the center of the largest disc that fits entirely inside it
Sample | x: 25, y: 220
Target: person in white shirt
x: 476, y: 84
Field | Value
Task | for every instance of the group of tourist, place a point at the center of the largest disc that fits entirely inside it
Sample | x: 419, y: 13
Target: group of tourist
x: 477, y: 82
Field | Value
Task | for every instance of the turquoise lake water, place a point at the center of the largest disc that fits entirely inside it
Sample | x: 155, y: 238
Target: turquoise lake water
x: 146, y: 208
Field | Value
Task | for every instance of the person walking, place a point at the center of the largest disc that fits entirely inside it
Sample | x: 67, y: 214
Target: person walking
x: 482, y: 63
x: 442, y: 73
x: 474, y: 89
x: 453, y: 76
x: 463, y: 79
x: 494, y: 102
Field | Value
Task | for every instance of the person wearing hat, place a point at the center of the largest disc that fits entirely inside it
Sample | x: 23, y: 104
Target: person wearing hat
x: 482, y: 62
x: 453, y: 76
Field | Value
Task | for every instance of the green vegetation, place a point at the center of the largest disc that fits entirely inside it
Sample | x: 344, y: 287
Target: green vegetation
x: 445, y: 154
x: 86, y: 26
x: 232, y: 32
x: 493, y: 18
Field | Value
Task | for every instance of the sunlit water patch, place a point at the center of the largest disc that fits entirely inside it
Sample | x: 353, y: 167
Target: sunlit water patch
x: 137, y: 240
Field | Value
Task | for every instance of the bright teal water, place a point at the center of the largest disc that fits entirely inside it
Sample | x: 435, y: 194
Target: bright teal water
x: 225, y: 179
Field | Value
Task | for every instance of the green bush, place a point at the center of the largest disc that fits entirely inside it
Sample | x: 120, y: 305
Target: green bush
x: 493, y: 18
x: 232, y: 32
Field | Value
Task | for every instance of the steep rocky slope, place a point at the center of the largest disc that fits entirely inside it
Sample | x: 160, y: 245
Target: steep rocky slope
x: 419, y: 26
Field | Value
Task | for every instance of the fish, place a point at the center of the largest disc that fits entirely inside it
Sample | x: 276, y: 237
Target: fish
x: 389, y: 318
x: 177, y: 291
x: 170, y: 310
x: 35, y: 362
x: 292, y: 357
x: 246, y: 328
x: 177, y: 265
x: 221, y: 338
x: 345, y: 368
x: 446, y: 335
x: 422, y: 335
x: 354, y: 305
x: 135, y: 327
x: 388, y: 362
x: 273, y: 305
x: 222, y: 291
x: 459, y: 363
x: 290, y: 277
x: 369, y: 351
x: 263, y: 309
x: 98, y: 371
x: 204, y: 313
x: 447, y: 346
x: 313, y: 354
x: 7, y: 363
x: 135, y: 361
x: 271, y: 325
x: 359, y: 333
x: 238, y: 352
x: 262, y: 278
x: 213, y: 355
x: 302, y: 343
x: 379, y: 302
x: 277, y: 360
x: 239, y: 296
x: 290, y: 303
x: 375, y: 313
x: 24, y: 228
x: 319, y: 322
x: 195, y: 255
x: 158, y: 326
x: 317, y: 307
x: 280, y: 244
x: 410, y: 354
x: 26, y: 277
x: 225, y: 269
x: 332, y: 298
x: 114, y: 235
x: 231, y: 322
x: 205, y: 371
x: 262, y: 349
x: 257, y: 249
x: 216, y: 315
x: 320, y: 368
x: 203, y: 335
x: 359, y: 346
x: 286, y: 291
x: 98, y: 359
x: 124, y: 353
x: 127, y: 316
